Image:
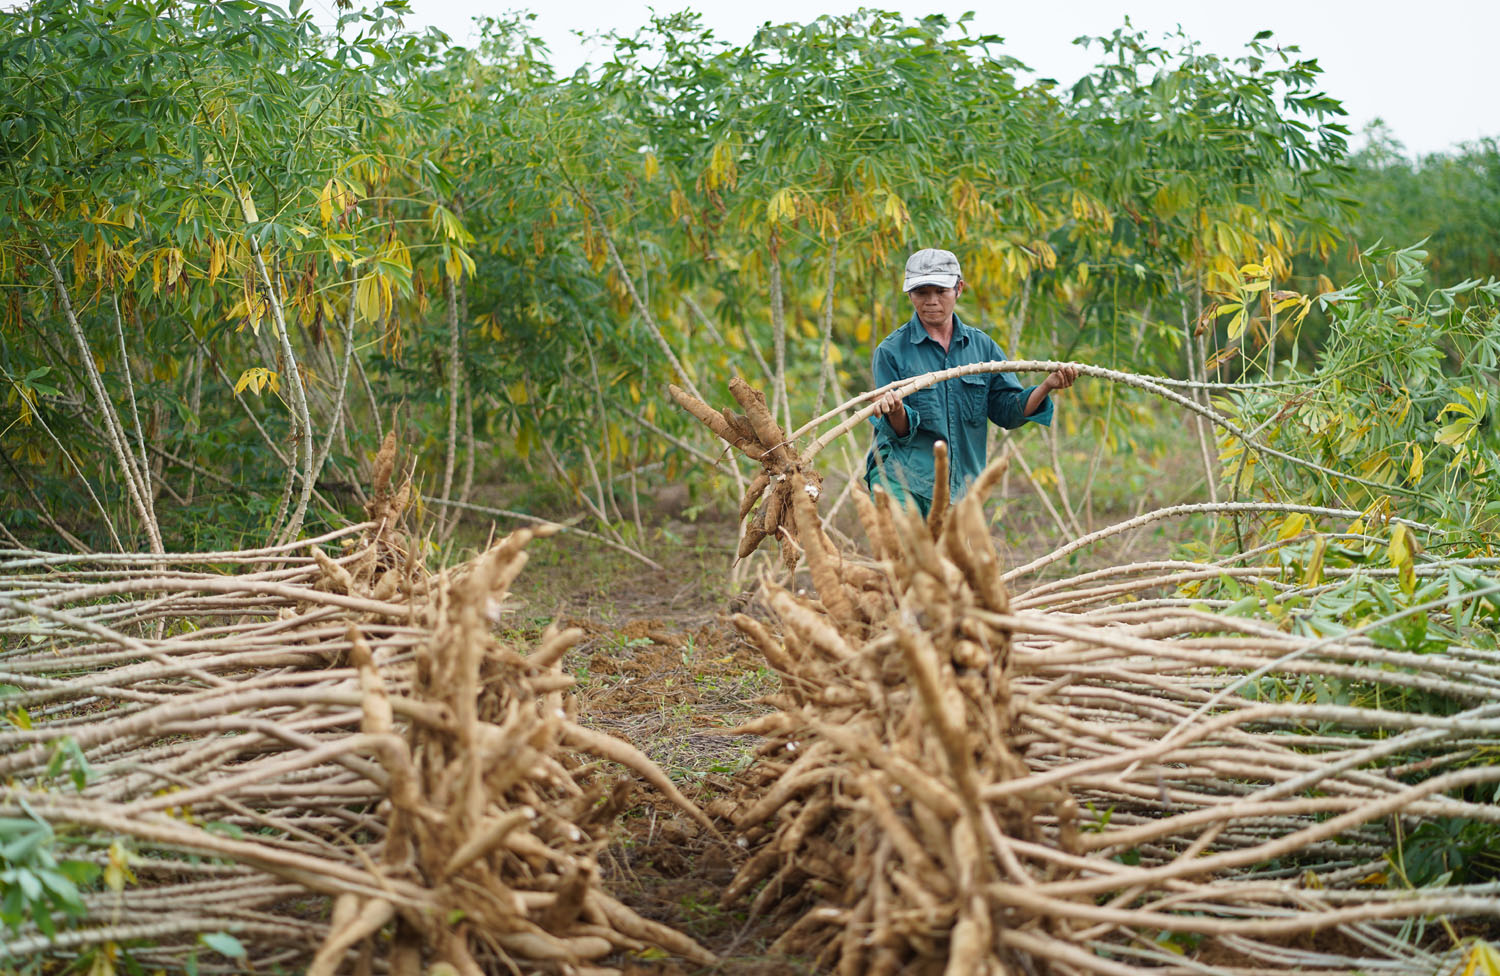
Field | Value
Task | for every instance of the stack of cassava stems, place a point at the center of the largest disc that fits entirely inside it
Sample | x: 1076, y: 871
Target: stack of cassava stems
x: 949, y: 783
x: 331, y: 758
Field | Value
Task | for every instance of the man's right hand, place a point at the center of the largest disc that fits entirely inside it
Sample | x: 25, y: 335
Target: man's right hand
x: 889, y: 406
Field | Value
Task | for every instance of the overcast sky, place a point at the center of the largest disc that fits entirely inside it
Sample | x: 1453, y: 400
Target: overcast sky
x: 1427, y: 69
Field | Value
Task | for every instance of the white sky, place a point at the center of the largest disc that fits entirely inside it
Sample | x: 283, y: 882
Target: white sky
x: 1426, y: 68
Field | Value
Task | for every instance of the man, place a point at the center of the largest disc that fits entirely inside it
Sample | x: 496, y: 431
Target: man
x: 956, y: 410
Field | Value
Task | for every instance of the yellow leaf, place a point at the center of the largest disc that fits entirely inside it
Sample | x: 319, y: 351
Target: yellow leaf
x: 722, y: 168
x: 175, y: 262
x: 517, y: 392
x: 1482, y: 959
x: 118, y: 872
x: 1221, y: 357
x: 1237, y: 325
x: 1294, y: 525
x: 651, y: 166
x: 1415, y: 474
x: 895, y: 209
x: 1313, y: 575
x: 104, y: 960
x: 1456, y: 434
x: 1489, y: 958
x: 217, y: 259
x: 1462, y: 409
x: 1402, y: 552
x: 257, y: 378
x: 781, y: 205
x: 862, y: 331
x: 247, y: 205
x: 325, y: 203
x: 635, y: 392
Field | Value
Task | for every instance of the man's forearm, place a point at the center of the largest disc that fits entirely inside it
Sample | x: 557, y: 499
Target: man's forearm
x: 1036, y: 399
x: 897, y: 419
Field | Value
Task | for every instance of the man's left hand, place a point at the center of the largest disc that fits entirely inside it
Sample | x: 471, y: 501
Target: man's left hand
x: 1062, y: 379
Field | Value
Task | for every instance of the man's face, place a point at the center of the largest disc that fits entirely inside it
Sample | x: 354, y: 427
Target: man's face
x: 934, y: 305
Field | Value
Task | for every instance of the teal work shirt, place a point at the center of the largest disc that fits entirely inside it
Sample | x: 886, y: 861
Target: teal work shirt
x: 954, y: 411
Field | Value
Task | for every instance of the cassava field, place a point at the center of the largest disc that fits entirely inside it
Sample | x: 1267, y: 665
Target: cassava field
x: 433, y: 539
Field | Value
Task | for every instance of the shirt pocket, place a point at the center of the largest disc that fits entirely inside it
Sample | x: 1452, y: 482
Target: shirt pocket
x: 924, y: 403
x: 974, y: 399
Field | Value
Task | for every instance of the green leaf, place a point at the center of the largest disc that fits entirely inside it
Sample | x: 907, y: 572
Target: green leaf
x: 224, y: 944
x: 80, y: 872
x: 1246, y: 606
x: 65, y: 890
x: 12, y: 905
x: 81, y: 771
x: 31, y: 885
x: 41, y: 914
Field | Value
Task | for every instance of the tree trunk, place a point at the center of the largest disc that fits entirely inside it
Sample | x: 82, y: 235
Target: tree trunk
x: 780, y: 405
x: 825, y: 368
x: 455, y: 364
x: 119, y: 443
x: 301, y: 419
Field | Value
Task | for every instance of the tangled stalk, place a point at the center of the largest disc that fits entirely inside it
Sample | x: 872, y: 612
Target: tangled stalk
x: 328, y: 756
x: 954, y: 780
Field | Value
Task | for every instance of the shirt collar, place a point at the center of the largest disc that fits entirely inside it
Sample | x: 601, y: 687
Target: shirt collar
x: 918, y: 333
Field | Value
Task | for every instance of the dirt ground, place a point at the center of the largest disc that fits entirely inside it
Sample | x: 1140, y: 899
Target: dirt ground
x: 662, y: 668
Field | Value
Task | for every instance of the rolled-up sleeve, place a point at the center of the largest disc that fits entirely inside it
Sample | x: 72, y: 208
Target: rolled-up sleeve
x: 1007, y: 403
x: 886, y: 372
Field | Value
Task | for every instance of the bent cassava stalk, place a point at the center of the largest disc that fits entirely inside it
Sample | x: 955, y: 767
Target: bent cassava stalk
x: 956, y: 775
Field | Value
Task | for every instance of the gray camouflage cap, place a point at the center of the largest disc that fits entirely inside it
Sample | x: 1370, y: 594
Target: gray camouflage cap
x: 932, y: 266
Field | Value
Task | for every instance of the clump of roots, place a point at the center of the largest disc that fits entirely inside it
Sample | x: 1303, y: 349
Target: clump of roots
x: 957, y: 779
x: 783, y: 475
x: 488, y: 812
x: 344, y: 725
x: 866, y: 814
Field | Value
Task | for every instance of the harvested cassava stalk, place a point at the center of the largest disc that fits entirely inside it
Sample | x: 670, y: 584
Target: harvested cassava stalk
x: 951, y: 785
x: 353, y: 733
x: 770, y: 493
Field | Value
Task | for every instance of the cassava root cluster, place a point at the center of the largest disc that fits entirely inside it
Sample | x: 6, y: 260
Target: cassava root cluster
x: 329, y: 756
x: 956, y: 779
x: 782, y: 478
